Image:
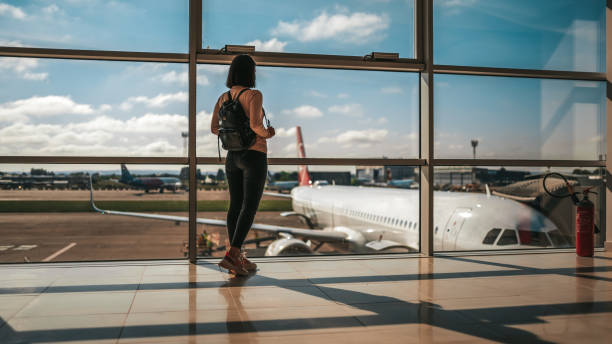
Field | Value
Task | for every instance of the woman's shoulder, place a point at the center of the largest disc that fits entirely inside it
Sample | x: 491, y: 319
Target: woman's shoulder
x: 253, y: 92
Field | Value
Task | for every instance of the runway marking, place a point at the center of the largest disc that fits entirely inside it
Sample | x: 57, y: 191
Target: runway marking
x: 6, y: 247
x: 24, y: 247
x: 72, y: 244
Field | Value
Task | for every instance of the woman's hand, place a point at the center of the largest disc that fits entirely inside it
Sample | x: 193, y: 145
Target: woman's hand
x: 271, y: 132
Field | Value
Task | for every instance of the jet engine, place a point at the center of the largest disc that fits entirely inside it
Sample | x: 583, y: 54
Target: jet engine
x: 288, y: 247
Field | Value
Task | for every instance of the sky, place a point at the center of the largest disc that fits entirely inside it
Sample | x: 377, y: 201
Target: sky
x: 101, y: 108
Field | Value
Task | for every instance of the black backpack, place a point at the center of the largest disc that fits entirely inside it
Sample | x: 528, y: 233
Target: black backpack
x: 235, y: 131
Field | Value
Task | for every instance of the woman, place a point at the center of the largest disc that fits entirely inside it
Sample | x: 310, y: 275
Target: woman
x: 246, y: 171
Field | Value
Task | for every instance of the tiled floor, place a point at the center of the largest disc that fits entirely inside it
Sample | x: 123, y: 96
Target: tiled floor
x: 551, y: 297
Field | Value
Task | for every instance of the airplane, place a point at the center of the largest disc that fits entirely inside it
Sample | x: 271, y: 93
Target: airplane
x: 281, y: 186
x: 148, y: 183
x: 401, y: 183
x: 361, y: 219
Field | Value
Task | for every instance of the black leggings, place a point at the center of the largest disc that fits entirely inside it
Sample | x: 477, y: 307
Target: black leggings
x: 246, y: 173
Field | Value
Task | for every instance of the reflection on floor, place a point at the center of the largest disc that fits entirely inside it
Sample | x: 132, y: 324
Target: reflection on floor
x: 552, y: 297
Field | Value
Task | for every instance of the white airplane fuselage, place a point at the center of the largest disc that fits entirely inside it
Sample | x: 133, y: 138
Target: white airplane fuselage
x: 386, y: 215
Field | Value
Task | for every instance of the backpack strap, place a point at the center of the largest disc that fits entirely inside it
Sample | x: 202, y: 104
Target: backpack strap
x: 218, y: 147
x: 229, y: 95
x: 239, y: 94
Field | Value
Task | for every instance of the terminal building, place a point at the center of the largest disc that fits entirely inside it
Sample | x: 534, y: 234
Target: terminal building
x: 438, y: 171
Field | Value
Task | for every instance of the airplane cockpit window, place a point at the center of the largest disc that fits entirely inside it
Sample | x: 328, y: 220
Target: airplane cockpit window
x: 532, y: 238
x: 491, y: 236
x: 508, y: 237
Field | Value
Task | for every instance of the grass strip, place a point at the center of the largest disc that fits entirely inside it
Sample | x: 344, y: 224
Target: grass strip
x: 134, y: 206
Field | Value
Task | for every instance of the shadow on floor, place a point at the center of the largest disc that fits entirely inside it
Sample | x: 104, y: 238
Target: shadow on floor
x: 487, y: 323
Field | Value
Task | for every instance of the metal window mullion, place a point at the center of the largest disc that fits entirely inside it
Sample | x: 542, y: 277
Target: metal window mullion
x: 607, y: 232
x: 103, y: 55
x: 519, y: 162
x: 325, y: 161
x: 295, y: 60
x: 425, y: 10
x: 92, y: 160
x: 518, y: 73
x: 195, y: 25
x: 418, y: 31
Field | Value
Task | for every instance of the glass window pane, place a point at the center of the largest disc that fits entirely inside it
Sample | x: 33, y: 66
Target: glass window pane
x: 518, y: 210
x: 544, y: 34
x: 136, y: 25
x: 519, y: 118
x: 341, y: 113
x: 370, y: 213
x: 91, y: 108
x: 316, y: 27
x: 45, y: 213
x: 533, y: 238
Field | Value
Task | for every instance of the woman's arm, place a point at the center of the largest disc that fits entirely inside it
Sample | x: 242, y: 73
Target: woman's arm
x: 256, y: 116
x: 214, y: 122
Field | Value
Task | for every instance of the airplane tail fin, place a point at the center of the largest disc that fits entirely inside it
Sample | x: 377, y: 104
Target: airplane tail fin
x: 303, y: 175
x: 126, y: 176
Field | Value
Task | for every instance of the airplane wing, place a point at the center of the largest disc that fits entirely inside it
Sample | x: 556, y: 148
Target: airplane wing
x: 317, y: 235
x: 275, y: 194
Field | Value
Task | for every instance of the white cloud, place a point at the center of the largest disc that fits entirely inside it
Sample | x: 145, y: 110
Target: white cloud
x: 35, y: 76
x: 391, y: 90
x: 270, y: 45
x: 360, y: 138
x: 158, y: 101
x: 7, y: 43
x: 357, y: 27
x: 367, y: 136
x: 317, y: 94
x: 454, y: 7
x: 150, y: 134
x: 456, y: 3
x: 23, y: 67
x: 214, y: 69
x: 282, y: 132
x: 105, y: 107
x: 51, y: 9
x: 382, y: 120
x: 290, y: 148
x: 172, y: 77
x: 20, y: 110
x: 351, y: 110
x: 304, y: 111
x: 343, y: 95
x: 15, y: 12
x: 159, y: 147
x: 204, y: 117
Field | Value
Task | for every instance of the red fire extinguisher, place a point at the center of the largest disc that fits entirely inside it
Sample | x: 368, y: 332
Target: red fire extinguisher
x: 585, y: 215
x: 585, y: 226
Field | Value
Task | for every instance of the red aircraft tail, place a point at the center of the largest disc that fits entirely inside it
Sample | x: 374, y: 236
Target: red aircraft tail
x: 303, y: 176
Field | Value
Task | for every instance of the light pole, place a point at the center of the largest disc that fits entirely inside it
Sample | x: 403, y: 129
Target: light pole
x: 474, y: 145
x: 185, y: 136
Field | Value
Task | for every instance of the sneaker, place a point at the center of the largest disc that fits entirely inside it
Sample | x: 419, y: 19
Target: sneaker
x: 247, y: 264
x: 233, y: 265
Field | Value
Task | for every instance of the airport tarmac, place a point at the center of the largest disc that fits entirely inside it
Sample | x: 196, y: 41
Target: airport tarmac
x: 104, y: 195
x: 35, y: 237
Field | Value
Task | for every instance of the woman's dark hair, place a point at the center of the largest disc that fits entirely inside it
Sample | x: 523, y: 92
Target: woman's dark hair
x: 241, y: 72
